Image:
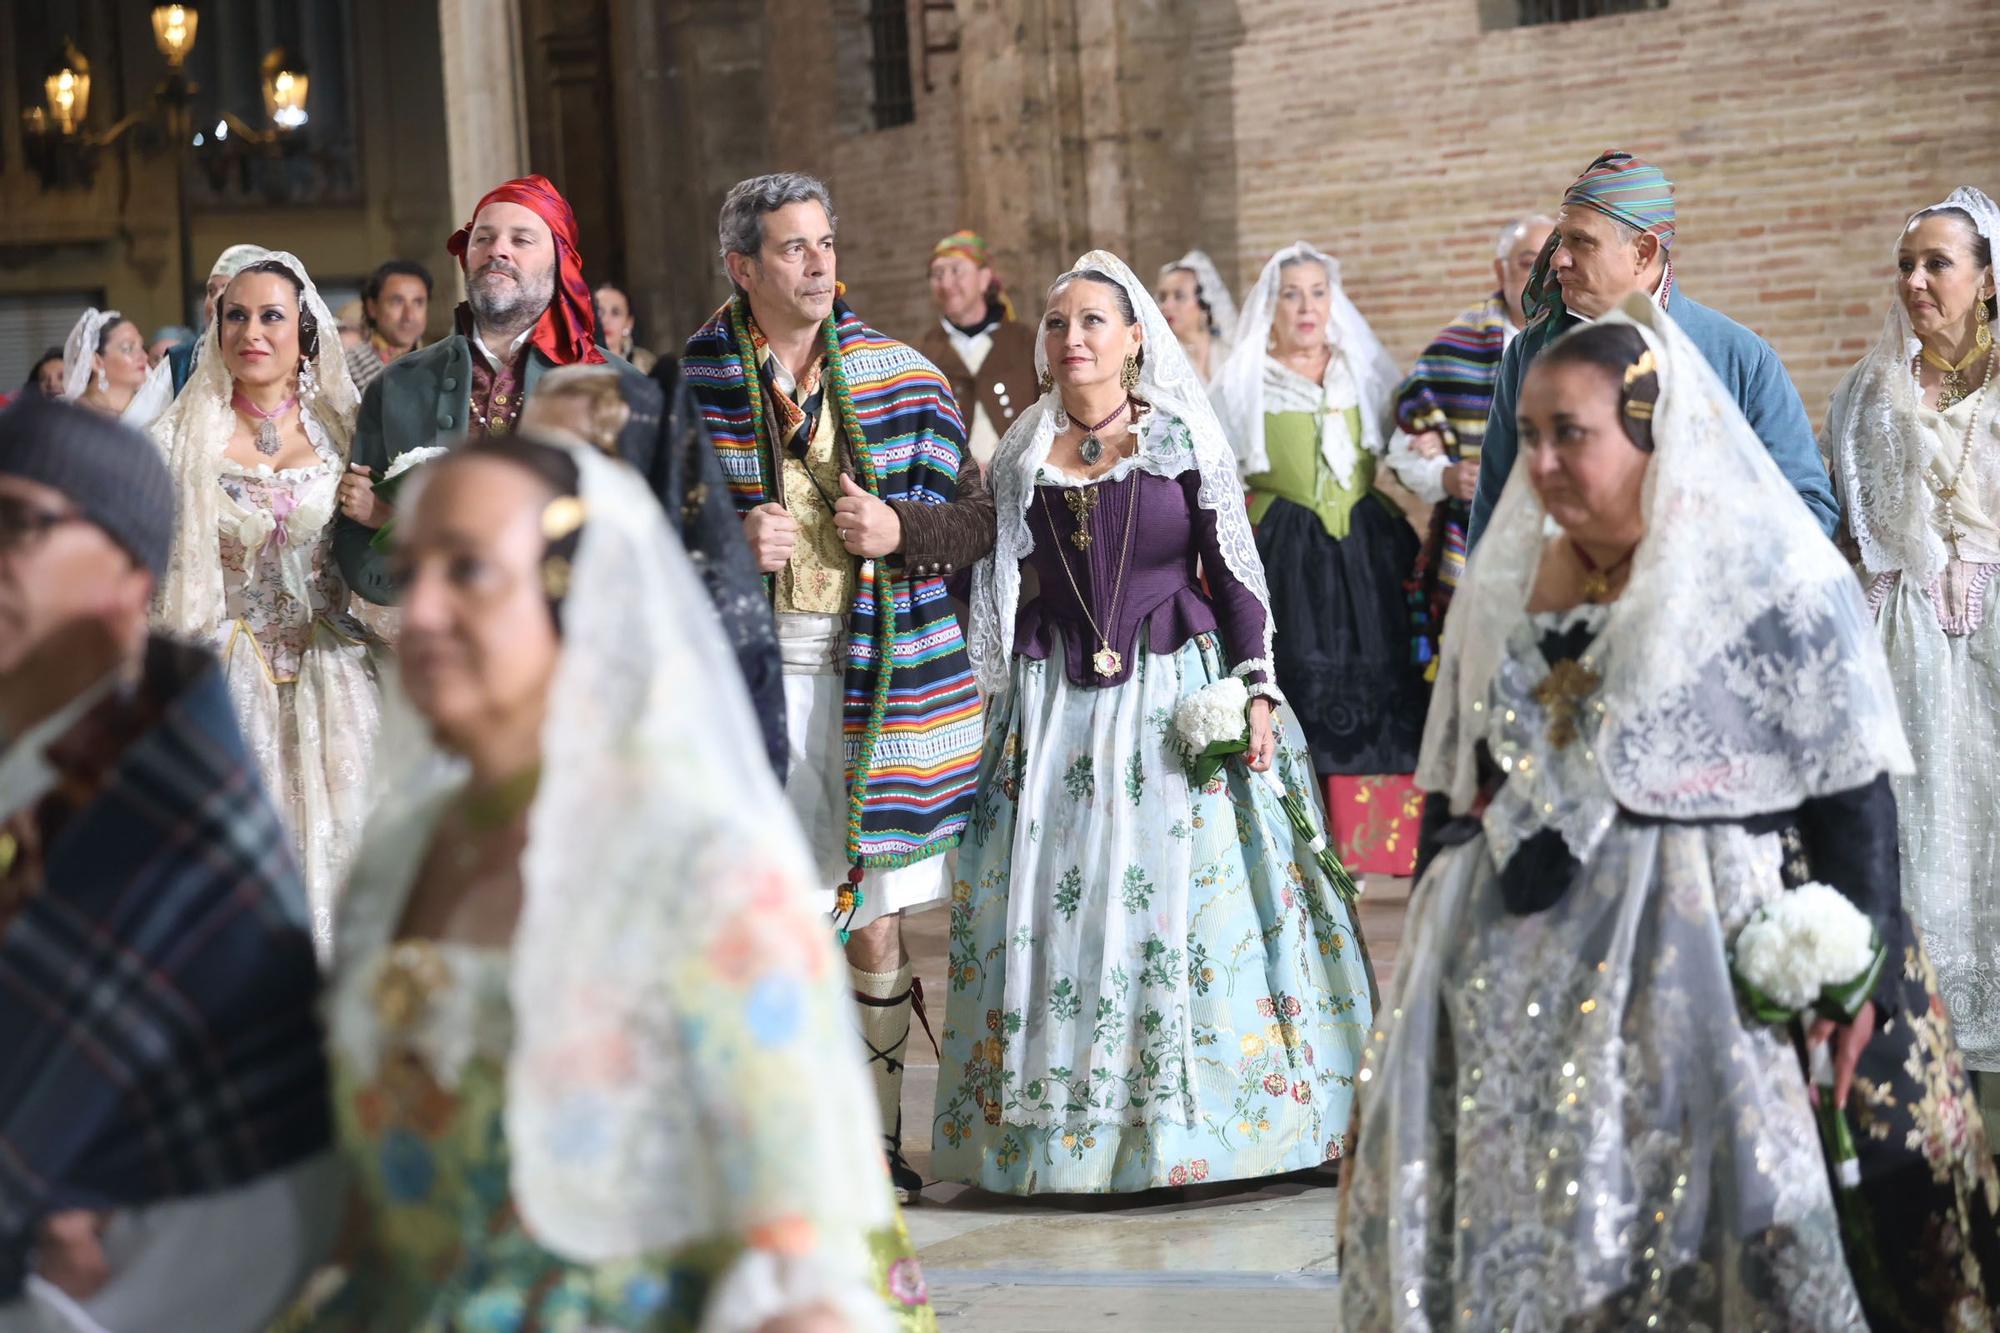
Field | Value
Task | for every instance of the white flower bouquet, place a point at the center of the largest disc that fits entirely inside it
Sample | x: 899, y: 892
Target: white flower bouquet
x: 391, y: 481
x: 1811, y: 949
x: 1213, y: 724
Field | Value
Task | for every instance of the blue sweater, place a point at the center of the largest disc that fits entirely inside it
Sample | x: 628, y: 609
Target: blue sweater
x: 1744, y: 363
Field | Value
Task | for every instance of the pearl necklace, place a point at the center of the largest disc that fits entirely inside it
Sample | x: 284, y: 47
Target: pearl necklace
x: 1947, y: 492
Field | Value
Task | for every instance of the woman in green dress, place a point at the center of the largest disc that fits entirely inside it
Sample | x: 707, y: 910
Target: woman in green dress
x: 1304, y: 398
x: 594, y: 1061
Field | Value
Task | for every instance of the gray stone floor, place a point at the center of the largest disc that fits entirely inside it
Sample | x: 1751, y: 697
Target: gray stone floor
x: 1211, y: 1259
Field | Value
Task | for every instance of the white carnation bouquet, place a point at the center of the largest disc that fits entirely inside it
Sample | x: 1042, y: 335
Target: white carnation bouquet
x: 1811, y: 949
x: 1808, y: 949
x: 391, y: 481
x: 1212, y: 724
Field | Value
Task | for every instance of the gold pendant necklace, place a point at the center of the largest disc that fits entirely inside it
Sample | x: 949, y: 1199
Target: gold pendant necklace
x: 1952, y: 386
x: 1106, y: 661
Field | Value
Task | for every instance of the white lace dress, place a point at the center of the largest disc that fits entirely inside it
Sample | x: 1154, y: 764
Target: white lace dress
x: 1943, y: 644
x: 301, y: 670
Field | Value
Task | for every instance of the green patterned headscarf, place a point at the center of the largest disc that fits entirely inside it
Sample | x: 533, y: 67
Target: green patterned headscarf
x: 1625, y: 189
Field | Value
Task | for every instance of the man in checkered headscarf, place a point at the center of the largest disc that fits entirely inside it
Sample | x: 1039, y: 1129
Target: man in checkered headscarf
x: 1614, y: 236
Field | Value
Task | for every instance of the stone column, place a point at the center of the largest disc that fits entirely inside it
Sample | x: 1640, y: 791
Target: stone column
x: 485, y: 127
x: 687, y: 79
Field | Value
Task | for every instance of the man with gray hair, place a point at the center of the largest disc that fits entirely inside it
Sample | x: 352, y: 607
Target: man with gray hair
x: 1441, y: 411
x: 845, y: 455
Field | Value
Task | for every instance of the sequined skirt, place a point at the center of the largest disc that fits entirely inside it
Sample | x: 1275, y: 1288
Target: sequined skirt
x: 1566, y: 1122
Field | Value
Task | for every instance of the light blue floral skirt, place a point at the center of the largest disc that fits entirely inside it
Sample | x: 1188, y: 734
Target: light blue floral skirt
x: 1150, y: 984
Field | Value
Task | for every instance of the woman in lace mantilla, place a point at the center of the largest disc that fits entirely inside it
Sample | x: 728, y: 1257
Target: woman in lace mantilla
x: 594, y: 1065
x: 1150, y: 983
x: 1915, y: 434
x: 1648, y: 725
x: 1305, y: 398
x: 257, y: 443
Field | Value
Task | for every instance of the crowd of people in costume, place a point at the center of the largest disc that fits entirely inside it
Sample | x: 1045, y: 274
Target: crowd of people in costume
x: 440, y: 785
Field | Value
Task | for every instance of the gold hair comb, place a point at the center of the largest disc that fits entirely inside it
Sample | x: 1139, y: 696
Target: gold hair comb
x: 563, y: 516
x: 1641, y: 368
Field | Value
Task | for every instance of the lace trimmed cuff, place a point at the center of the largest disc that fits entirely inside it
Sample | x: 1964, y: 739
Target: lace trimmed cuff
x: 1254, y: 670
x: 760, y: 1286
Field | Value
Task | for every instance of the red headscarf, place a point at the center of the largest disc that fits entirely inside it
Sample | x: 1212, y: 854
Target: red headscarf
x: 566, y: 331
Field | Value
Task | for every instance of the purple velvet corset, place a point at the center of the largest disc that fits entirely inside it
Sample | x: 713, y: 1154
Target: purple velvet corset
x: 1172, y: 544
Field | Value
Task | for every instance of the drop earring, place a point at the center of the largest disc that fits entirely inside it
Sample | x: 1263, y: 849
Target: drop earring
x: 103, y: 381
x: 1983, y: 337
x: 1046, y: 381
x: 308, y: 381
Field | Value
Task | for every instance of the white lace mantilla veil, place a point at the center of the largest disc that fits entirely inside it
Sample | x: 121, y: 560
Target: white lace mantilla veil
x: 1359, y: 374
x: 1877, y: 443
x: 192, y: 436
x: 1166, y: 381
x: 653, y: 829
x: 79, y: 355
x: 1221, y: 305
x: 1742, y: 673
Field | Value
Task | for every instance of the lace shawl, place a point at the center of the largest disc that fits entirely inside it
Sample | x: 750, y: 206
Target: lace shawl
x: 193, y: 435
x: 1359, y: 373
x: 683, y: 1063
x: 1166, y: 381
x: 1877, y: 442
x: 1741, y: 670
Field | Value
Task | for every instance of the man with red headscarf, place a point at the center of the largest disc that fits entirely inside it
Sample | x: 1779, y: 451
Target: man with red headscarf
x: 527, y: 308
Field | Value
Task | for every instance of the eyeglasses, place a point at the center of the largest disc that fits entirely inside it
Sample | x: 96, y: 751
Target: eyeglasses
x: 22, y: 524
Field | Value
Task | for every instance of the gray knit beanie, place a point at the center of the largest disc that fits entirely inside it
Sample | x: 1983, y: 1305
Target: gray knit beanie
x: 110, y: 472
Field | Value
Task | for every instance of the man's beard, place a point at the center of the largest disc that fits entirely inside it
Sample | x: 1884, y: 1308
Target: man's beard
x: 511, y: 309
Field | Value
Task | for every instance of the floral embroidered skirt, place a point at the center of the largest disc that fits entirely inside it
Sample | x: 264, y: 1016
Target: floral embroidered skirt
x: 1150, y: 984
x: 439, y: 1248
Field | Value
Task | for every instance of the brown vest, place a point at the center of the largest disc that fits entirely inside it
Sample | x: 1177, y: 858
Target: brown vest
x: 1005, y: 384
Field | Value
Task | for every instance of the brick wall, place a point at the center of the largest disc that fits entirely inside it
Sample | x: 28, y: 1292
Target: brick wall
x: 896, y: 190
x: 1798, y: 134
x: 1401, y: 135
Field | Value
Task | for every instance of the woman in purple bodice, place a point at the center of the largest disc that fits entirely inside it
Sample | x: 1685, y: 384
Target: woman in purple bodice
x: 1151, y: 981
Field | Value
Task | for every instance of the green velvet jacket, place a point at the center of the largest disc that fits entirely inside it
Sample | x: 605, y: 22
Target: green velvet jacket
x: 419, y: 401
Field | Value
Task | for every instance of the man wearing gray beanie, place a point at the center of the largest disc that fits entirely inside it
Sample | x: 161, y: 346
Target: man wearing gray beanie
x: 163, y: 1094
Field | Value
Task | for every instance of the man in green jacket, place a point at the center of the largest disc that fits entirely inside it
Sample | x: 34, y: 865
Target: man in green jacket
x: 526, y: 308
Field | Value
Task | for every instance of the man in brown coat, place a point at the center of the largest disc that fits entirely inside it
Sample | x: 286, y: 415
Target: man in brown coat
x: 986, y: 353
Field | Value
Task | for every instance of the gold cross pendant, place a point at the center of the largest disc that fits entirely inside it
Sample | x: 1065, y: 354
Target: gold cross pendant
x: 1081, y: 502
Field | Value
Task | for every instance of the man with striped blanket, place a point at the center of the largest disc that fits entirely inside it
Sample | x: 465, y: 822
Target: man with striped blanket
x: 845, y: 454
x: 1441, y: 411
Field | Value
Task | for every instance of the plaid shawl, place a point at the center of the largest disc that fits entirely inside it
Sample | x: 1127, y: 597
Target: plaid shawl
x: 912, y: 731
x: 158, y: 1037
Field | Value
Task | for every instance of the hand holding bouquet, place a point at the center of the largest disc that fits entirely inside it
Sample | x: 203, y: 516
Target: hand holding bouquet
x: 1213, y: 724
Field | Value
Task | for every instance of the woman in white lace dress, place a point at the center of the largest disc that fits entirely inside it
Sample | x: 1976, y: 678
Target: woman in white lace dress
x: 257, y: 443
x: 1915, y: 433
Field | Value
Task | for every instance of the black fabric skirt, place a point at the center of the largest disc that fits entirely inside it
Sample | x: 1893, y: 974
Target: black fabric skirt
x: 1343, y: 634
